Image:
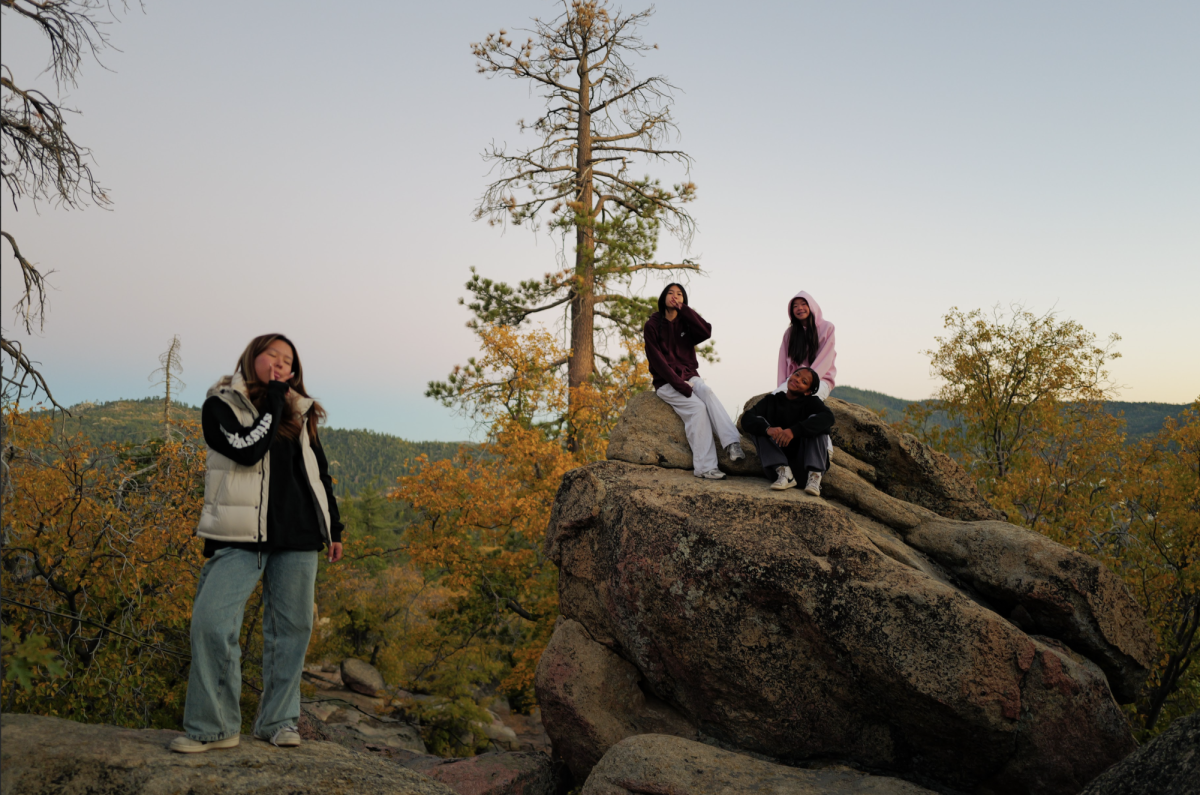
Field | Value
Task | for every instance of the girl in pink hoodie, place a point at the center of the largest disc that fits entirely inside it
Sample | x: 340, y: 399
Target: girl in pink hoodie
x: 808, y: 342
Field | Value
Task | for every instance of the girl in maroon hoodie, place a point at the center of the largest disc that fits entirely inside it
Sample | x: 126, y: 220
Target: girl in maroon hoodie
x: 672, y: 334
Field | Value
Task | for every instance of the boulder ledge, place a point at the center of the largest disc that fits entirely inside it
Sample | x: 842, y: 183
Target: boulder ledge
x: 653, y: 763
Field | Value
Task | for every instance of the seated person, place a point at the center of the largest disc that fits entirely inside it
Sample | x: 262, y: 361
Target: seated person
x: 672, y: 334
x: 791, y: 431
x: 808, y: 342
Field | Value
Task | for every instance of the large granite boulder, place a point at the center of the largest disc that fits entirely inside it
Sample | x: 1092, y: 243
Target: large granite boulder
x: 851, y: 628
x: 1167, y: 765
x: 654, y: 763
x: 50, y: 756
x: 886, y: 477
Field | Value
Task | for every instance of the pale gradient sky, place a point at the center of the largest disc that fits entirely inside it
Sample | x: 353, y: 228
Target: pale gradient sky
x: 283, y: 166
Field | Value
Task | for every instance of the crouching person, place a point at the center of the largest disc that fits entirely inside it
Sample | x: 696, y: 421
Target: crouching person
x: 791, y: 431
x: 672, y: 334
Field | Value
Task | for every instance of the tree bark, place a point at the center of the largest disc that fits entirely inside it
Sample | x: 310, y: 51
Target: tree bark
x: 583, y: 304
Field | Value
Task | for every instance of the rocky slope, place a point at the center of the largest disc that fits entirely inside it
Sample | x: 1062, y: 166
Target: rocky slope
x: 893, y: 624
x: 49, y: 756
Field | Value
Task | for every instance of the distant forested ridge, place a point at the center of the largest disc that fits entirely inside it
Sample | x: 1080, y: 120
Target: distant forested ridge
x: 361, y: 458
x: 1141, y: 419
x: 357, y: 458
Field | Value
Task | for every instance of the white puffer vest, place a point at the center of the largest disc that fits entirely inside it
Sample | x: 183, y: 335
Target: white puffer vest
x: 235, y: 496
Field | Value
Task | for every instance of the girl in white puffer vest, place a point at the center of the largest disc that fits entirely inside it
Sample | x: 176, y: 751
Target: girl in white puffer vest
x: 268, y: 512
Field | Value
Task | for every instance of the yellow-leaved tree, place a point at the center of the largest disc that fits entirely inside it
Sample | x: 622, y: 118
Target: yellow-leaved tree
x: 1022, y: 408
x: 98, y: 558
x: 463, y: 600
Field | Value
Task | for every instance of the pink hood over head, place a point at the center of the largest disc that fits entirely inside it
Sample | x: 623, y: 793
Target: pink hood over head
x: 824, y: 360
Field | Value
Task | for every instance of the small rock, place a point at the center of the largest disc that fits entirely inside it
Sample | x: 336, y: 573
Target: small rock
x: 361, y: 676
x: 322, y: 710
x: 400, y: 735
x: 504, y: 738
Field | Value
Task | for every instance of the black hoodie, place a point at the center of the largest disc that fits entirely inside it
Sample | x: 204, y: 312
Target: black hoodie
x: 671, y: 344
x: 805, y: 416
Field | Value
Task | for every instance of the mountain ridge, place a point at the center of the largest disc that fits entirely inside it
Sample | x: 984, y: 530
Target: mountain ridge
x: 1142, y: 419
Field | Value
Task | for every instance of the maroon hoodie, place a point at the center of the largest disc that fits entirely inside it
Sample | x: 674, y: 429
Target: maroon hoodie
x: 671, y: 347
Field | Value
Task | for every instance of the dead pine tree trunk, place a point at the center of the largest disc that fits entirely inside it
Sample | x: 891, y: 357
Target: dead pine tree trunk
x: 171, y: 365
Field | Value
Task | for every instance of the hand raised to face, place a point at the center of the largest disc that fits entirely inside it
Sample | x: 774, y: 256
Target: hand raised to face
x: 675, y: 298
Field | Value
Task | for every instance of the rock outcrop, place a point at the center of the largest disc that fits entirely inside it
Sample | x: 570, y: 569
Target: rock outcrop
x: 899, y: 465
x: 591, y: 700
x: 874, y: 626
x: 50, y: 756
x: 654, y: 763
x: 1167, y: 765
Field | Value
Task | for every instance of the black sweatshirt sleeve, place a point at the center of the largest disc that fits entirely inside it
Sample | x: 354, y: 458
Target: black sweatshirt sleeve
x: 697, y: 328
x: 335, y: 516
x: 817, y: 423
x: 242, y: 445
x: 755, y: 421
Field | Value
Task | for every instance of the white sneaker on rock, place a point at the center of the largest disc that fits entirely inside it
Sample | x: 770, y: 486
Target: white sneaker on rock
x: 813, y: 486
x: 712, y: 474
x: 285, y: 737
x: 783, y: 479
x: 186, y: 745
x: 735, y: 452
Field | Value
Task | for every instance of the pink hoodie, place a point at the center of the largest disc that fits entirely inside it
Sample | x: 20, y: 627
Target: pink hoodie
x: 823, y: 362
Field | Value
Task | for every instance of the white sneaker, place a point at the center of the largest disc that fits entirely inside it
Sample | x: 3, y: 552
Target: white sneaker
x: 186, y: 745
x: 712, y: 474
x: 286, y: 737
x: 783, y: 479
x: 735, y: 452
x: 813, y: 486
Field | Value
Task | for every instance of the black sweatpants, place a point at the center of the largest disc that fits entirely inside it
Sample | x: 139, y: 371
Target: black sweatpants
x: 804, y: 454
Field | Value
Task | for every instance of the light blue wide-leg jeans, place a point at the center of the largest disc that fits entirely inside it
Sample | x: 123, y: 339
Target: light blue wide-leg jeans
x: 212, y: 711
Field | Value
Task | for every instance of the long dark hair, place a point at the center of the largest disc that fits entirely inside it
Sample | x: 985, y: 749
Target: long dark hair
x: 289, y: 425
x: 802, y: 344
x: 662, y: 297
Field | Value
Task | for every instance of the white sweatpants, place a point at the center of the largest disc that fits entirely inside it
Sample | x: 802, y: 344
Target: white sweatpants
x: 701, y: 413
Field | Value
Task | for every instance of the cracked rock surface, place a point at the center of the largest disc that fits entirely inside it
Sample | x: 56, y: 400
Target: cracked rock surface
x: 892, y: 624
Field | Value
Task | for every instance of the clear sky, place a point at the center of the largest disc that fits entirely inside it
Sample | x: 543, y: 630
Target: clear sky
x: 311, y: 169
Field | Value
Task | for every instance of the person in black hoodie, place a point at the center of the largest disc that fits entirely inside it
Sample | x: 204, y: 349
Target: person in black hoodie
x: 671, y: 335
x: 790, y: 429
x: 268, y: 512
